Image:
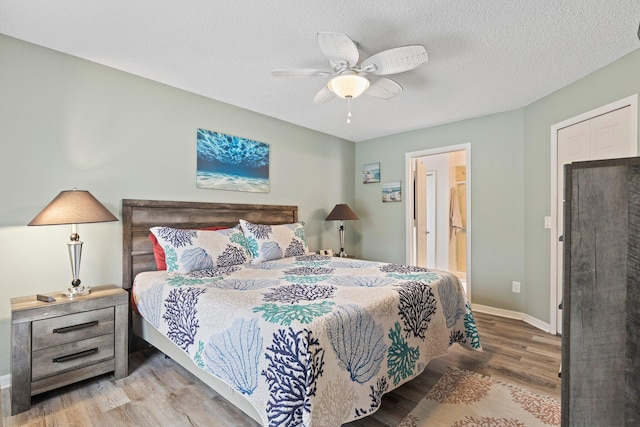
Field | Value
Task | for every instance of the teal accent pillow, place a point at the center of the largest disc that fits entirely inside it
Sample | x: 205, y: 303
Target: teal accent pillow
x: 189, y: 250
x: 269, y: 242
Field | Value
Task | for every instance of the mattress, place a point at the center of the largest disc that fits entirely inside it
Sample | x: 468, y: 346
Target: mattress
x: 310, y: 340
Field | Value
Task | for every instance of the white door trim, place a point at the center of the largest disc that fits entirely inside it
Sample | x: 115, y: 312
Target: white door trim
x: 432, y: 216
x: 409, y: 158
x: 630, y: 101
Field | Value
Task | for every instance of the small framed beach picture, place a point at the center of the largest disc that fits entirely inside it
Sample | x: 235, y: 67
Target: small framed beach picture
x: 227, y: 162
x: 391, y: 191
x: 370, y: 173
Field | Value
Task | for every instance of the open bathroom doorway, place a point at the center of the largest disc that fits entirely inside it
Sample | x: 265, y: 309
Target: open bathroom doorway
x: 438, y: 210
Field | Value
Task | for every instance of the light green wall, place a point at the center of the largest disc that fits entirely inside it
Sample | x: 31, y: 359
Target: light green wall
x: 510, y: 188
x: 497, y: 202
x: 66, y: 122
x: 611, y: 83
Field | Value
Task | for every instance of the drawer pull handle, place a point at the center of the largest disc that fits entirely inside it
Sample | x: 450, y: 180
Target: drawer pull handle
x: 75, y: 327
x: 73, y: 356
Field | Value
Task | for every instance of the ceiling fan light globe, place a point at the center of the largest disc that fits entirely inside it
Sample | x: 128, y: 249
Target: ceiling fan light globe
x: 348, y: 86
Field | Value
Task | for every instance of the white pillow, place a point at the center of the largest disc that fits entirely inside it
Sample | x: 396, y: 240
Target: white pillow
x: 269, y: 242
x: 193, y: 250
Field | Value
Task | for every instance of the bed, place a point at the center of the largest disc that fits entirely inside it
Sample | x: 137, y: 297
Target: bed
x: 295, y: 338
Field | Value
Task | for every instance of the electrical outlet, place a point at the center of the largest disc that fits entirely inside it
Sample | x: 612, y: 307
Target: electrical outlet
x: 515, y: 287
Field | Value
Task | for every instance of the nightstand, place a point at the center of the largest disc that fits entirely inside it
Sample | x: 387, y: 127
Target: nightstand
x: 58, y: 343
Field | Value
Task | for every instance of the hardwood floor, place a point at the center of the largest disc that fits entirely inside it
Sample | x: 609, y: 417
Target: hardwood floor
x: 158, y: 392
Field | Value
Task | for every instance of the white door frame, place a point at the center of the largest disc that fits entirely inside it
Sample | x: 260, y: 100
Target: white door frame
x: 409, y: 158
x: 432, y: 194
x: 631, y: 101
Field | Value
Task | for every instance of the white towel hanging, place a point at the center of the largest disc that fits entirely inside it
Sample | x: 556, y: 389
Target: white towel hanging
x: 455, y: 219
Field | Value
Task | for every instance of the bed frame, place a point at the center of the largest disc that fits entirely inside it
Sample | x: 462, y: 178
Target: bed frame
x: 138, y: 216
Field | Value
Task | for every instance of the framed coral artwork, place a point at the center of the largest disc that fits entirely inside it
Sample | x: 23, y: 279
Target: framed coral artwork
x: 227, y: 162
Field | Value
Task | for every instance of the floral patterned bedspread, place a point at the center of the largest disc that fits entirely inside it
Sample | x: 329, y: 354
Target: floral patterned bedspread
x: 310, y: 340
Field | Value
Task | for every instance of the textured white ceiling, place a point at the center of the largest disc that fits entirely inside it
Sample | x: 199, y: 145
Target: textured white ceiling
x: 485, y: 56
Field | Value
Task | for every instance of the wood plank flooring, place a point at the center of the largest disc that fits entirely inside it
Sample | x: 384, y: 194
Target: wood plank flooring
x: 158, y: 392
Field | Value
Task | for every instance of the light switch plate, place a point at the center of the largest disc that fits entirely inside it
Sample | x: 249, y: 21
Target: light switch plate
x: 515, y: 287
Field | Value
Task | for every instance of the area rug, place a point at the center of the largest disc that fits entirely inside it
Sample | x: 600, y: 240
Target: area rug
x: 463, y: 399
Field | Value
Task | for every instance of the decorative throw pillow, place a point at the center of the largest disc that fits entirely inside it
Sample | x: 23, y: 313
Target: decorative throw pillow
x: 269, y: 242
x: 192, y: 250
x: 158, y: 252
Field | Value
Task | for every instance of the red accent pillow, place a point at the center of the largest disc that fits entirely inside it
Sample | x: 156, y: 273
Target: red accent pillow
x: 158, y: 252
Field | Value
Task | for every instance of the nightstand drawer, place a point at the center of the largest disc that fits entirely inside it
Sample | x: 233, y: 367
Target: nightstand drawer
x: 67, y: 357
x: 72, y: 327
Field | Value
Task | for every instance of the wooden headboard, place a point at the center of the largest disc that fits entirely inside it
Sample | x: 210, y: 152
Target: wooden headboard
x: 138, y: 216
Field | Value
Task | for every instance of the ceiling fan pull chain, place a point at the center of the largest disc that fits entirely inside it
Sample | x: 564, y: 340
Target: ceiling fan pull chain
x: 348, y: 109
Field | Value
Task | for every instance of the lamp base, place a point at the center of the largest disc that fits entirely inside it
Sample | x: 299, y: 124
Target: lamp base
x: 77, y: 291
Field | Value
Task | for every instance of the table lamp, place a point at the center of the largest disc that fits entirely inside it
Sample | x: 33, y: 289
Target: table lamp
x: 74, y: 207
x: 342, y: 213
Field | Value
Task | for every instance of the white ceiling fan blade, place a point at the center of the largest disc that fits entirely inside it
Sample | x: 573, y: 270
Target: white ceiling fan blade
x: 396, y: 60
x: 338, y: 48
x: 324, y: 95
x: 300, y: 72
x: 384, y: 88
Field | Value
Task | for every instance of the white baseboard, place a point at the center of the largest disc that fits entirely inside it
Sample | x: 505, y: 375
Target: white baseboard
x: 5, y: 381
x: 512, y: 315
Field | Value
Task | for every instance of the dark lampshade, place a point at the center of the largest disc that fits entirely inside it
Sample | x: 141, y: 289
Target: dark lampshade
x: 73, y: 207
x: 341, y: 212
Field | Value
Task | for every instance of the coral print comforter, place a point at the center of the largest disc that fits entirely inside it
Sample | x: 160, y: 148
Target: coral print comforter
x: 310, y: 340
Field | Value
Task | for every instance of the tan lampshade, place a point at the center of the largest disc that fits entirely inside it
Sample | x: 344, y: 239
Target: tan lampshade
x: 73, y: 207
x: 341, y: 212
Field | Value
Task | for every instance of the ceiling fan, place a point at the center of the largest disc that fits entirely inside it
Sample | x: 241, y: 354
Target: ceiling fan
x: 350, y: 78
